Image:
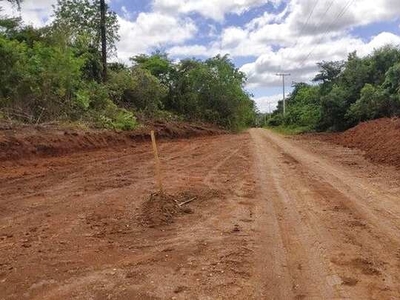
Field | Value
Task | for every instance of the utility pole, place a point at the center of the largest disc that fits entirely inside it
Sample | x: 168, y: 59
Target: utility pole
x: 283, y: 75
x: 103, y: 38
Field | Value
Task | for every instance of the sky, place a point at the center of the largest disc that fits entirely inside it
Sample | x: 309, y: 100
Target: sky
x: 262, y: 37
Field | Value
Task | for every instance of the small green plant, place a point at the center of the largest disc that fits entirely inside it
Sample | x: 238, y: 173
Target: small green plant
x: 290, y: 130
x: 124, y: 120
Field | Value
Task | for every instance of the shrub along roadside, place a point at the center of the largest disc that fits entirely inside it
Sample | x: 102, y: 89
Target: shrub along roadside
x: 289, y: 130
x: 345, y: 93
x: 53, y: 74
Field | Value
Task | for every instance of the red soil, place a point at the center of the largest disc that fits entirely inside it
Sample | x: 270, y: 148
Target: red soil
x: 18, y: 142
x: 379, y: 139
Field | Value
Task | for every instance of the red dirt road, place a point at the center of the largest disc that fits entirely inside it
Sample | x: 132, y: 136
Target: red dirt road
x: 272, y: 218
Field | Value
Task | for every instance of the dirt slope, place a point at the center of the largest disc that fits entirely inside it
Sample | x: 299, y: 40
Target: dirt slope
x: 18, y: 142
x: 380, y: 139
x: 272, y: 218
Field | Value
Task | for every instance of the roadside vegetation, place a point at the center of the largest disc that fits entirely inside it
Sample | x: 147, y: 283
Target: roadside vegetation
x: 289, y: 129
x: 56, y: 74
x: 344, y: 94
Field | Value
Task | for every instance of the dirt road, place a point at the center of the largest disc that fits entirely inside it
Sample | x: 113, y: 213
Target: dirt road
x: 271, y: 218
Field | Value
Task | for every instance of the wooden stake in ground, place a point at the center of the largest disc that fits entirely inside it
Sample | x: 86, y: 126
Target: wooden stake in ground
x: 158, y: 165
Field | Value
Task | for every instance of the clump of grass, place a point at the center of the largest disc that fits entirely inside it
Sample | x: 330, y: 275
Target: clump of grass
x: 289, y: 130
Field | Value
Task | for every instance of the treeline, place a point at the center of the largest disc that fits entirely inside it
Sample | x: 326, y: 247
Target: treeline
x: 345, y: 93
x: 55, y: 74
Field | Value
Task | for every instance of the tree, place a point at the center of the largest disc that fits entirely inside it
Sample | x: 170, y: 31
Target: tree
x: 329, y: 72
x: 136, y: 89
x: 28, y: 34
x: 92, y: 29
x: 82, y: 21
x: 391, y: 89
x: 358, y: 71
x: 10, y: 23
x: 333, y: 110
x: 210, y: 90
x: 382, y: 60
x: 158, y: 64
x: 103, y: 38
x: 213, y: 91
x: 303, y: 106
x: 369, y: 106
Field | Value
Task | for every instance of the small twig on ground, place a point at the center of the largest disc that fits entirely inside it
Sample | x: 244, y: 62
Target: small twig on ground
x: 186, y: 202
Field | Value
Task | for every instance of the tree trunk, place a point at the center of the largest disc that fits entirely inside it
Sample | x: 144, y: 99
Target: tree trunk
x: 103, y: 39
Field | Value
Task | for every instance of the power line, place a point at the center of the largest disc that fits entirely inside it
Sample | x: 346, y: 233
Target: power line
x: 323, y: 16
x: 308, y: 20
x: 346, y: 8
x: 339, y: 15
x: 316, y: 27
x: 283, y: 75
x: 305, y: 24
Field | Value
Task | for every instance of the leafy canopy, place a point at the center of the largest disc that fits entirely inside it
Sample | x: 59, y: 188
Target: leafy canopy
x: 81, y: 20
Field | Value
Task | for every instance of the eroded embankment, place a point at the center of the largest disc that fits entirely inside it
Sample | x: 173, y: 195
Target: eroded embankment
x: 17, y: 142
x: 379, y: 139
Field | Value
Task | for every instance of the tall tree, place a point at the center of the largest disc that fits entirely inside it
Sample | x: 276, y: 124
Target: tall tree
x: 103, y: 38
x: 329, y: 72
x: 82, y: 20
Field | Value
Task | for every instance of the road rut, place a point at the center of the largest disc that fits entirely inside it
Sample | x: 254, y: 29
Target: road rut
x: 336, y: 237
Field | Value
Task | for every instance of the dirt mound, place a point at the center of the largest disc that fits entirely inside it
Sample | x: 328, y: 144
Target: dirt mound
x: 161, y: 209
x: 380, y: 139
x: 18, y: 142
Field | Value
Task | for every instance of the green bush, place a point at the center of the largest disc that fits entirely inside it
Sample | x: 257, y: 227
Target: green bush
x: 275, y: 120
x: 40, y: 81
x: 368, y: 106
x: 13, y: 56
x: 124, y: 120
x: 119, y: 83
x: 136, y: 89
x: 111, y: 117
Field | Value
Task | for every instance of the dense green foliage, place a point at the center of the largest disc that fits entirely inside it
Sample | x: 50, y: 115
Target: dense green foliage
x: 54, y: 74
x: 210, y: 90
x: 81, y: 20
x: 346, y: 93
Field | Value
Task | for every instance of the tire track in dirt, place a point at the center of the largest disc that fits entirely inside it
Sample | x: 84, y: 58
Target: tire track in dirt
x: 361, y: 261
x: 298, y: 250
x: 214, y: 171
x: 376, y: 205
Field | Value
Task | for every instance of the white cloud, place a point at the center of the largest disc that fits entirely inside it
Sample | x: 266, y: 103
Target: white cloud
x: 151, y: 30
x: 262, y: 71
x: 192, y: 50
x: 267, y: 103
x: 384, y: 38
x: 36, y: 13
x: 291, y: 41
x: 213, y: 9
